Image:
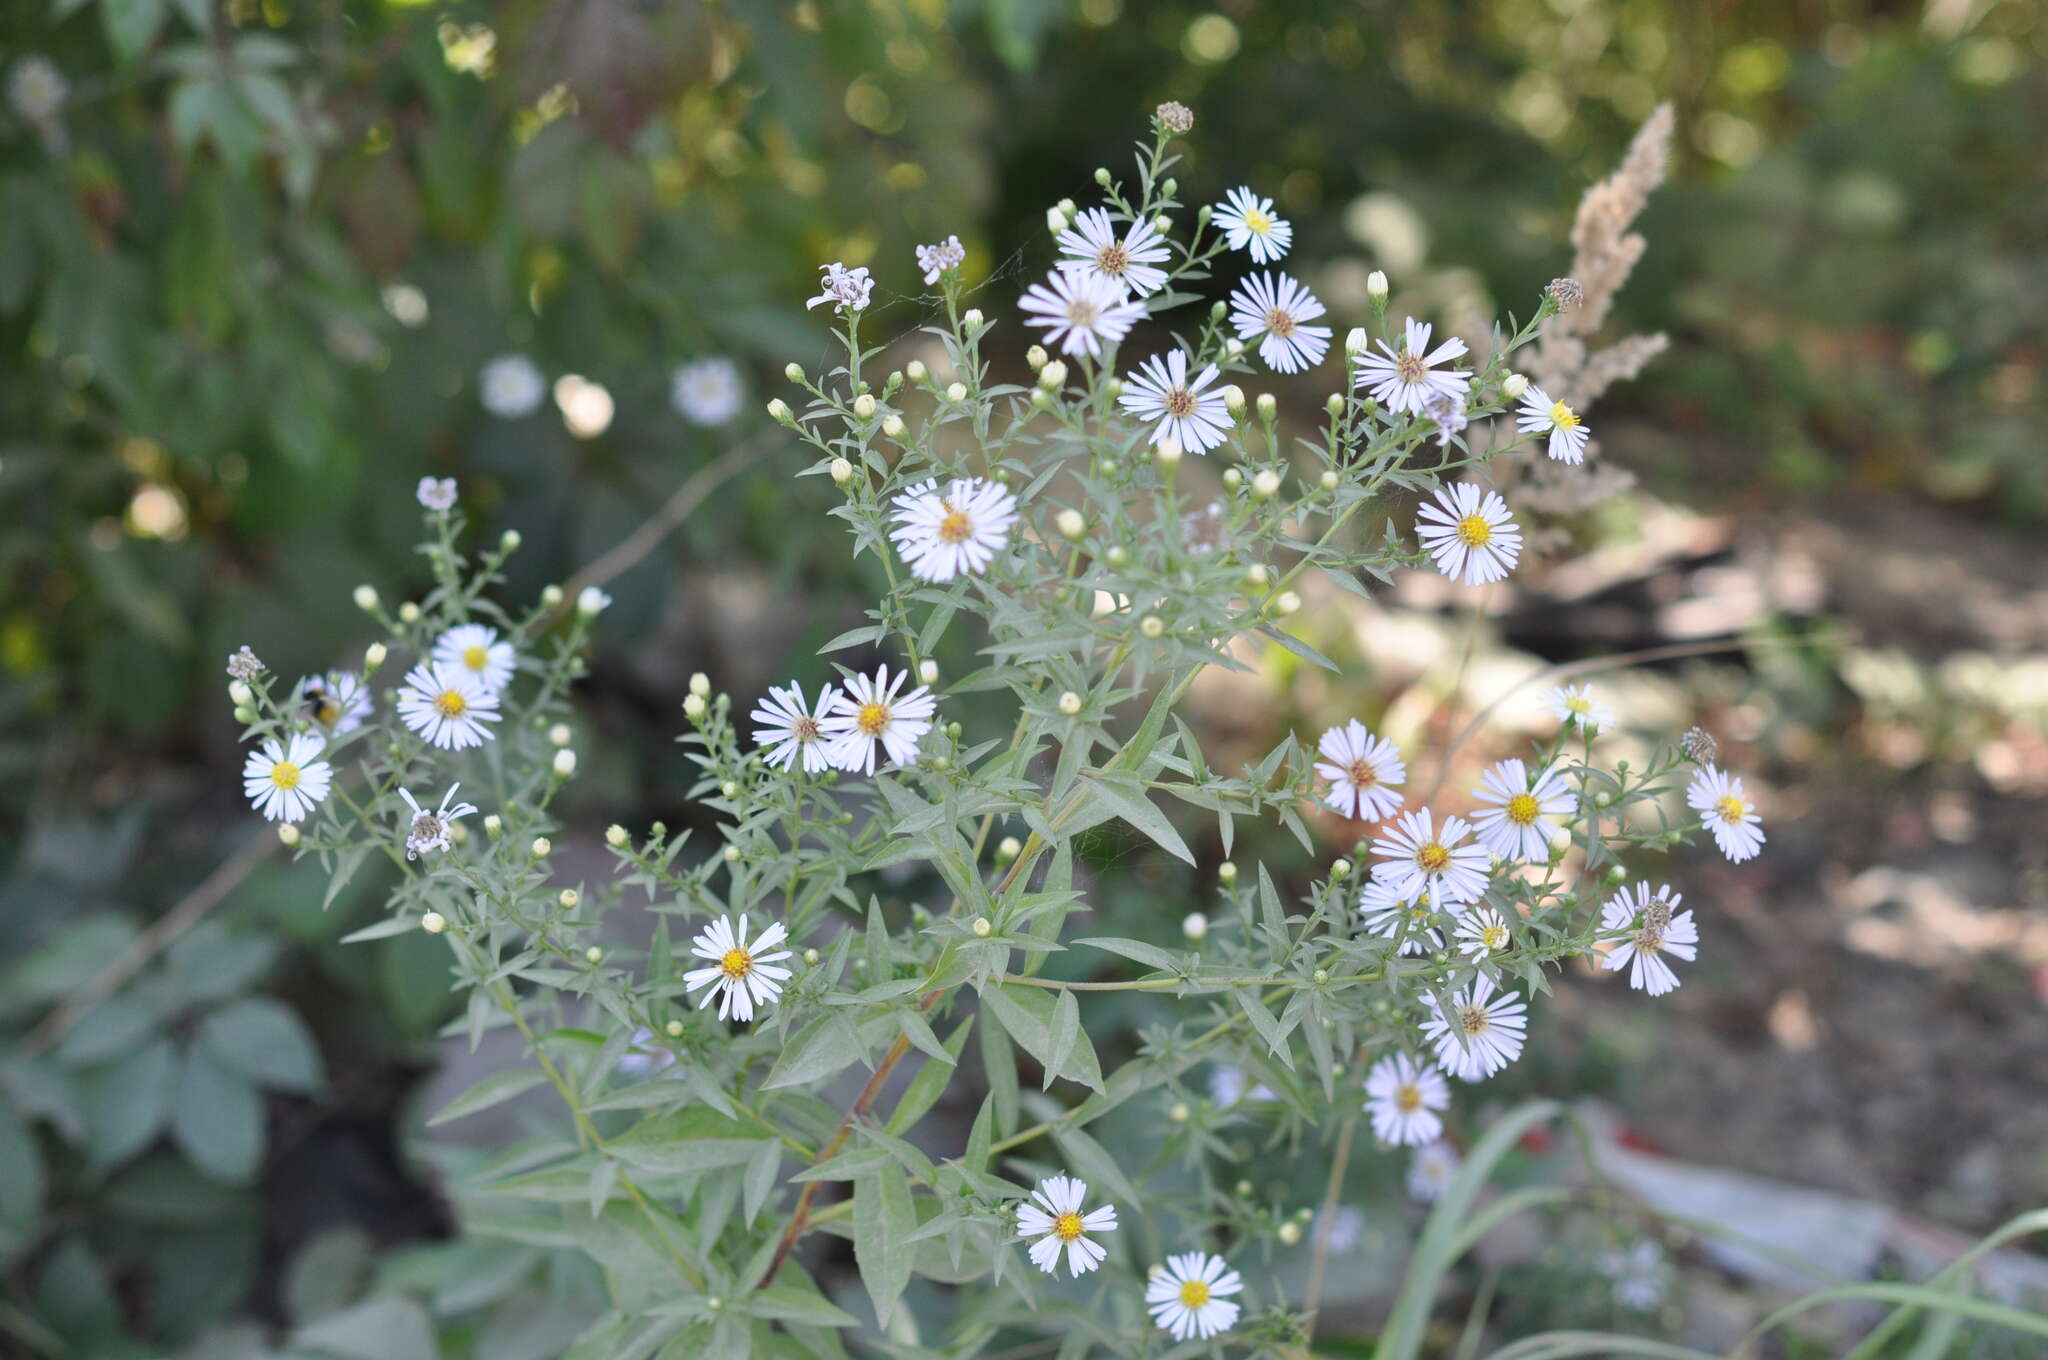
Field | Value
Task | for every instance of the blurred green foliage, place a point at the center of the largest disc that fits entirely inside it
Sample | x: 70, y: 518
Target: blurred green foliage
x: 254, y: 254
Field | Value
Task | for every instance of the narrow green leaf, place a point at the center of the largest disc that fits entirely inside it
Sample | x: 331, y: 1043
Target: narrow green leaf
x: 930, y: 1082
x: 1131, y: 804
x: 494, y: 1089
x: 883, y: 1218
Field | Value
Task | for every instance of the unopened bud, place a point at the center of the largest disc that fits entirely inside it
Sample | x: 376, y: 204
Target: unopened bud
x: 1162, y: 224
x: 1264, y: 483
x: 1290, y: 1232
x: 1070, y: 703
x: 778, y: 411
x: 560, y: 735
x: 731, y: 854
x: 550, y: 597
x: 892, y: 425
x: 841, y: 470
x: 1036, y: 357
x: 1102, y: 176
x: 494, y: 826
x: 1070, y: 523
x: 1168, y: 452
x: 1333, y: 405
x: 730, y: 788
x: 1340, y: 869
x: 565, y: 764
x: 1286, y: 603
x: 509, y: 541
x: 673, y: 1029
x: 1328, y: 481
x: 590, y: 602
x: 1354, y: 340
x: 1376, y: 286
x: 971, y: 320
x: 616, y: 837
x: 1268, y: 406
x: 927, y: 672
x: 700, y: 684
x: 569, y: 898
x: 594, y: 954
x: 289, y: 834
x: 1233, y: 399
x: 239, y: 694
x: 1055, y: 220
x: 245, y: 714
x: 1008, y: 849
x: 542, y: 847
x: 1052, y: 375
x: 373, y: 656
x: 915, y: 370
x: 864, y: 406
x: 1151, y: 626
x: 1233, y: 348
x: 433, y: 923
x: 793, y: 371
x: 811, y: 957
x: 1226, y: 872
x: 1257, y: 576
x: 693, y: 708
x: 956, y: 391
x: 1195, y: 926
x: 1232, y: 479
x: 366, y: 597
x: 1179, y: 1113
x: 408, y: 612
x: 1513, y: 386
x: 982, y: 928
x: 1116, y: 556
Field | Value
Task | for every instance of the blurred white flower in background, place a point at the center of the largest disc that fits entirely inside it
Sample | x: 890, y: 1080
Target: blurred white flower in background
x: 707, y: 391
x: 512, y: 387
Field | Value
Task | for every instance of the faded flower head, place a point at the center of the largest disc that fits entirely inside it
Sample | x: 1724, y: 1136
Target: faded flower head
x: 843, y: 287
x: 937, y: 258
x: 243, y: 665
x: 1699, y: 746
x: 428, y: 831
x: 1175, y: 116
x: 1567, y: 292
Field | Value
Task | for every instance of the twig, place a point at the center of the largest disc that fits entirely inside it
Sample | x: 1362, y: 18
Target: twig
x: 628, y: 551
x: 211, y: 892
x: 1326, y: 1219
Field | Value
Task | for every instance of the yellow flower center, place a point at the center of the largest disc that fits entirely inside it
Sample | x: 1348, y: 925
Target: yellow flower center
x: 1474, y: 531
x: 1731, y: 809
x: 955, y: 527
x: 872, y: 719
x: 1564, y: 417
x: 1363, y: 775
x: 1407, y: 1099
x: 1067, y: 1226
x: 1193, y: 1294
x: 285, y: 775
x: 1578, y: 703
x: 1279, y: 322
x: 451, y: 704
x: 1113, y: 259
x: 1474, y: 1020
x: 736, y: 964
x: 1433, y: 857
x: 1495, y: 938
x: 475, y: 656
x: 1418, y: 913
x: 1522, y: 809
x: 1258, y: 222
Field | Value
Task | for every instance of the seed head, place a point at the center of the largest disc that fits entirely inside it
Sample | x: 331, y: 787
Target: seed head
x: 1175, y: 117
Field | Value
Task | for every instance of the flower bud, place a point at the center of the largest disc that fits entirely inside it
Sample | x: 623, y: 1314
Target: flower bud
x: 288, y: 834
x: 433, y: 923
x: 551, y: 597
x: 616, y: 836
x: 778, y: 411
x: 1268, y: 406
x: 1328, y: 481
x: 1168, y: 452
x: 590, y: 602
x: 1354, y: 340
x: 842, y: 471
x: 565, y: 764
x: 1008, y: 849
x: 956, y: 391
x: 1233, y: 399
x: 1264, y: 483
x: 1070, y: 523
x: 731, y: 854
x: 793, y: 371
x: 408, y: 612
x: 1334, y: 405
x: 1179, y: 1113
x: 971, y: 320
x: 1226, y: 872
x: 1068, y: 210
x: 1513, y: 386
x: 1195, y: 926
x: 730, y: 788
x: 1286, y: 603
x: 1102, y: 176
x: 915, y: 370
x: 1233, y: 348
x: 542, y: 847
x: 1244, y: 1189
x: 892, y: 425
x: 1151, y: 626
x: 1036, y: 357
x: 373, y: 656
x: 509, y: 541
x: 239, y: 693
x: 366, y: 597
x: 864, y: 406
x: 673, y: 1029
x: 245, y: 714
x: 1052, y: 375
x: 927, y: 672
x: 1340, y: 870
x: 1320, y: 976
x: 1162, y: 224
x: 569, y: 898
x: 1257, y: 576
x: 1116, y: 557
x: 594, y: 954
x: 494, y: 826
x: 1232, y: 479
x: 811, y: 957
x: 700, y: 684
x: 1070, y: 703
x: 982, y: 928
x: 560, y: 735
x: 1290, y: 1233
x: 1055, y: 220
x: 693, y: 707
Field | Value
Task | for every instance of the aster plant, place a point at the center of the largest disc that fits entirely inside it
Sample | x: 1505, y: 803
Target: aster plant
x: 710, y: 1149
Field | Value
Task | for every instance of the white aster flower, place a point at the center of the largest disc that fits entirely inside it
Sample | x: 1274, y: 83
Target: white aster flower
x: 744, y: 977
x: 436, y: 493
x: 793, y: 732
x: 1655, y: 928
x: 1160, y: 390
x: 1416, y: 858
x: 1482, y: 932
x: 644, y: 1055
x: 1639, y: 1275
x: 1431, y: 1170
x: 1470, y: 533
x: 1346, y: 1230
x: 1513, y: 828
x: 477, y: 652
x: 1391, y: 913
x: 707, y: 391
x: 1404, y: 1098
x: 1727, y: 812
x: 1449, y: 415
x: 1093, y: 248
x: 512, y: 387
x: 1576, y: 704
x: 36, y: 88
x: 959, y: 532
x: 843, y: 287
x: 1053, y: 1216
x: 1405, y: 380
x: 450, y: 708
x: 428, y: 831
x: 1276, y: 308
x: 869, y: 717
x: 936, y: 259
x: 1226, y: 1087
x: 1080, y: 312
x: 1541, y: 415
x: 338, y: 701
x: 1190, y: 1297
x: 1481, y: 1033
x: 1248, y: 223
x: 1363, y: 771
x: 286, y: 780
